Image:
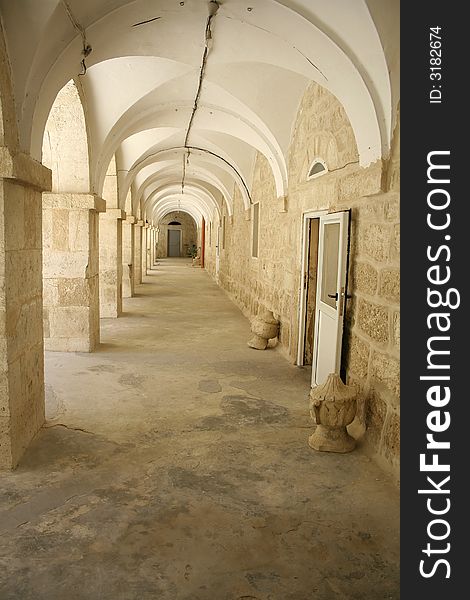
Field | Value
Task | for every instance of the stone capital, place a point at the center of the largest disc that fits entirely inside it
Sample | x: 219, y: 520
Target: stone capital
x: 114, y: 214
x: 139, y: 223
x: 73, y: 201
x: 130, y: 219
x: 22, y: 168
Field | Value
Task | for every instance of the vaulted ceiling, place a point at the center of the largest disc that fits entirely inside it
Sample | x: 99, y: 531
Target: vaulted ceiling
x: 184, y: 93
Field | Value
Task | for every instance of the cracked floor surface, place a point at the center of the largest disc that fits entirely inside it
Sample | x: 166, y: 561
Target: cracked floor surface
x: 174, y: 465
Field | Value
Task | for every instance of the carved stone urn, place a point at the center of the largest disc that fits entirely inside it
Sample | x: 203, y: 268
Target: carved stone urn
x: 332, y: 407
x: 264, y: 327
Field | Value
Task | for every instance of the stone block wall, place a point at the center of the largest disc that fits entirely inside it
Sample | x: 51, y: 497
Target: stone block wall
x: 371, y: 338
x: 210, y: 252
x: 188, y: 232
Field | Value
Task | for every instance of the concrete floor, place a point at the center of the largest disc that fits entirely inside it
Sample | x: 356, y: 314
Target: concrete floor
x: 174, y: 466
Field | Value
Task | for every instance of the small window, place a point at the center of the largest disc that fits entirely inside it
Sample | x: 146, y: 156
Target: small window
x: 174, y: 223
x: 255, y: 231
x: 317, y: 168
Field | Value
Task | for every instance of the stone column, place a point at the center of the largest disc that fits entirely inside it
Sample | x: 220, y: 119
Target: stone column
x: 71, y: 271
x: 21, y: 332
x: 152, y: 247
x: 111, y: 262
x: 128, y: 257
x: 145, y: 249
x: 138, y: 252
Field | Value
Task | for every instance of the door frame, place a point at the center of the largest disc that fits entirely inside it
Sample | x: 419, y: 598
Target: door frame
x: 339, y: 313
x: 305, y: 251
x: 174, y: 228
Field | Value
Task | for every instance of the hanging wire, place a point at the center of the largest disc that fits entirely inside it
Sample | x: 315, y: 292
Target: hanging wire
x: 86, y: 50
x: 213, y: 8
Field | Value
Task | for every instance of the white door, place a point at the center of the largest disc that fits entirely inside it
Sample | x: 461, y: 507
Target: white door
x: 331, y: 295
x: 217, y: 254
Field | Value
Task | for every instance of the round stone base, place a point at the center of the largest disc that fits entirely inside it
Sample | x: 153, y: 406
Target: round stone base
x: 258, y: 343
x: 325, y: 439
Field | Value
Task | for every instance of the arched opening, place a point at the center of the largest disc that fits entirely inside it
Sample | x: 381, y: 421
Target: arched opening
x: 70, y: 231
x: 178, y: 236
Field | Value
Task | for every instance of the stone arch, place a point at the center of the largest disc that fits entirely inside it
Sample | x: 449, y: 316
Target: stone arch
x: 8, y: 125
x: 189, y: 226
x: 65, y: 148
x: 322, y: 130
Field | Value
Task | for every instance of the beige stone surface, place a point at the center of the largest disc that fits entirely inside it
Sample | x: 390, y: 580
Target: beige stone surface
x: 364, y: 278
x: 65, y: 142
x: 128, y: 257
x: 391, y: 437
x: 376, y: 412
x: 374, y: 241
x: 110, y: 186
x: 126, y: 475
x: 70, y: 271
x: 274, y: 279
x: 385, y: 370
x: 21, y: 332
x: 390, y: 284
x: 264, y: 327
x: 111, y: 268
x: 137, y: 270
x: 20, y: 167
x: 188, y: 232
x: 395, y: 243
x: 396, y: 330
x: 145, y: 261
x: 332, y: 407
x: 358, y: 357
x: 373, y: 320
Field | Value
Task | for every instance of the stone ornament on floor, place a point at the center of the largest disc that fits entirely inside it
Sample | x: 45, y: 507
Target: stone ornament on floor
x: 264, y: 327
x: 332, y: 407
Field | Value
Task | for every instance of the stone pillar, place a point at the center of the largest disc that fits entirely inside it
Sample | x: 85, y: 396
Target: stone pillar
x: 152, y: 247
x: 128, y: 257
x: 145, y: 249
x: 155, y: 244
x: 71, y: 271
x: 21, y: 333
x: 111, y: 262
x: 138, y: 252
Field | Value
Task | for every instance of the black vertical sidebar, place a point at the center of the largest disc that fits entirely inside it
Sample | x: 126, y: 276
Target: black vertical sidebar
x: 432, y: 126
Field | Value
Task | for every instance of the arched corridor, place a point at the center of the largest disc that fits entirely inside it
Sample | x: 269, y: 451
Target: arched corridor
x: 174, y: 464
x: 178, y: 178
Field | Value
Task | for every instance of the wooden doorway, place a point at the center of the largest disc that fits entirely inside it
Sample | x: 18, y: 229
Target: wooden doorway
x: 174, y: 242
